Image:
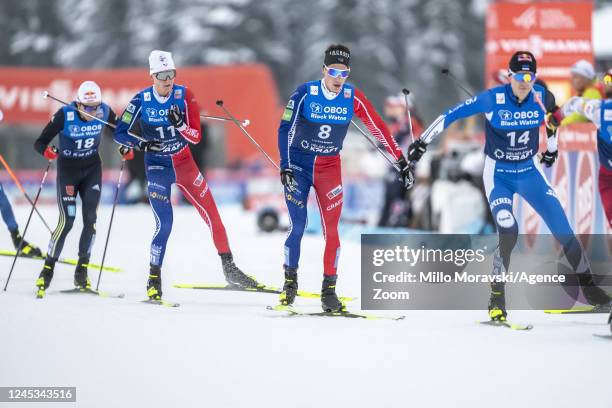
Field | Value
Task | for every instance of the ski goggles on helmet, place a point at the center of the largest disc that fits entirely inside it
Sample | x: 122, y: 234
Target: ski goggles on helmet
x: 337, y: 73
x: 524, y: 76
x: 165, y: 75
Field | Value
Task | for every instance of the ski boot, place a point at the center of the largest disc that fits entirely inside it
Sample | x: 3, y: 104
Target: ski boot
x: 595, y: 295
x: 81, y: 280
x: 497, y: 302
x: 233, y: 275
x: 23, y: 247
x: 154, y: 286
x: 44, y: 279
x: 329, y: 300
x: 287, y: 296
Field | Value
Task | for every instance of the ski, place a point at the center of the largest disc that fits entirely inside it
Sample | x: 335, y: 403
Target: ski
x: 292, y: 312
x: 160, y: 303
x: 89, y: 291
x: 65, y: 261
x: 260, y: 289
x: 509, y: 325
x: 603, y: 336
x: 580, y: 310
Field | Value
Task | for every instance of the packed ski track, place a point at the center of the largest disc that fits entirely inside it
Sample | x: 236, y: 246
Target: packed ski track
x: 224, y: 349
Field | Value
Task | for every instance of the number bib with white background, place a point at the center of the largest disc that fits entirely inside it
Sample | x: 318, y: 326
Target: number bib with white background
x: 154, y: 119
x: 80, y: 138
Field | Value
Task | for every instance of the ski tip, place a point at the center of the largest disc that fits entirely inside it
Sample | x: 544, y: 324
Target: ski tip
x: 603, y: 336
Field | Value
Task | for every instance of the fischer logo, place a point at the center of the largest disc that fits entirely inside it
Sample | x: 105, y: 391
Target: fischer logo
x: 544, y: 18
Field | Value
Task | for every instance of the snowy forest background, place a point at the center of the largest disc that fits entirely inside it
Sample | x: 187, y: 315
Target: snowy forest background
x: 395, y: 43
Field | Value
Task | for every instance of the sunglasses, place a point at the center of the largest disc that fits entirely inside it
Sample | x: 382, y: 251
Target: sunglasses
x: 337, y: 73
x: 525, y: 77
x: 165, y: 75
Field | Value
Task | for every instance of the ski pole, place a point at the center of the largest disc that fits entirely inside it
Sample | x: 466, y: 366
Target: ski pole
x: 244, y: 123
x: 48, y: 95
x: 233, y: 119
x: 376, y: 146
x: 110, y: 224
x: 42, y: 182
x: 406, y: 92
x: 18, y: 184
x: 446, y: 72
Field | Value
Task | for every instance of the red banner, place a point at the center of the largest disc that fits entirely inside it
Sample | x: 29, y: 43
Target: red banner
x: 557, y: 33
x: 248, y: 91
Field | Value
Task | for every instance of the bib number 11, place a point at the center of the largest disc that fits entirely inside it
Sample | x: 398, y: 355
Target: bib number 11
x: 160, y: 129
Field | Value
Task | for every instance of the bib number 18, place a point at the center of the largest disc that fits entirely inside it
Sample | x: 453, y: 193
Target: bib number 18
x: 85, y: 143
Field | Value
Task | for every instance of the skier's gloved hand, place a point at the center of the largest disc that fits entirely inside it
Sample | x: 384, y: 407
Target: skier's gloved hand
x: 175, y: 116
x: 554, y: 118
x: 51, y: 153
x: 152, y: 146
x: 406, y: 172
x: 288, y: 179
x: 416, y: 150
x: 126, y: 152
x: 548, y: 158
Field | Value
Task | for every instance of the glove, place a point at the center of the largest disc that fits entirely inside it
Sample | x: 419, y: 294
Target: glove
x: 126, y: 152
x: 406, y: 172
x: 175, y: 116
x: 51, y: 153
x: 554, y: 118
x: 548, y: 158
x: 416, y: 150
x: 152, y: 146
x: 288, y: 180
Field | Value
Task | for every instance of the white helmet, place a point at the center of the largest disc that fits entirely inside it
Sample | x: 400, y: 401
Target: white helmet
x: 160, y: 61
x: 89, y: 92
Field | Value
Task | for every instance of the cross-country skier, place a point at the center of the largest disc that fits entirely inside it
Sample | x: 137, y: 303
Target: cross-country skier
x: 514, y: 113
x: 79, y: 172
x: 599, y: 112
x: 310, y: 136
x: 168, y: 117
x: 26, y: 249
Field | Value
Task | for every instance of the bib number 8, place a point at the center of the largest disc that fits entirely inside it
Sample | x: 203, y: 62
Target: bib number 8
x: 522, y: 139
x: 85, y: 143
x: 324, y: 131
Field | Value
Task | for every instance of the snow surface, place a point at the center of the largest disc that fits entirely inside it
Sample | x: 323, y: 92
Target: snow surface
x: 223, y: 349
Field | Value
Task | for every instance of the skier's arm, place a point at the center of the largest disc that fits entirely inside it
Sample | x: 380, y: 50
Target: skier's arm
x: 190, y: 130
x: 128, y: 119
x: 51, y: 130
x: 365, y: 111
x: 481, y: 103
x: 286, y: 130
x: 589, y: 108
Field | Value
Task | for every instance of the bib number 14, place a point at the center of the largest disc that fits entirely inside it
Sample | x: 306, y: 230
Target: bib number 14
x: 522, y: 139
